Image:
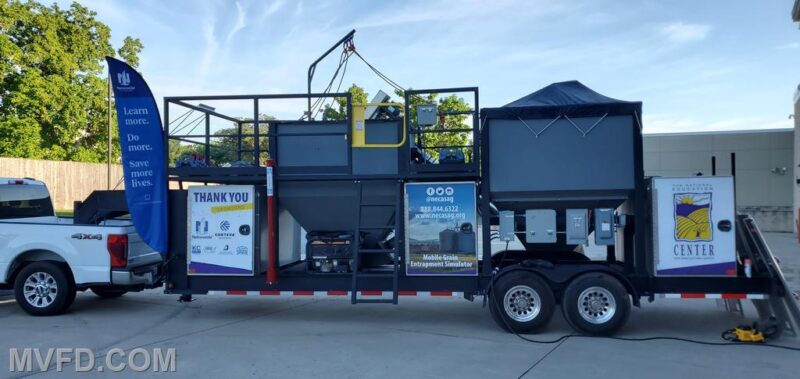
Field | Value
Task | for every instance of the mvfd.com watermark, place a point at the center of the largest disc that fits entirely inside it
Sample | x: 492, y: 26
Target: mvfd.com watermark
x: 84, y: 360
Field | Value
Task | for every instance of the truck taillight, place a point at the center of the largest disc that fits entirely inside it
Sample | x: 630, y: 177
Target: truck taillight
x: 118, y: 250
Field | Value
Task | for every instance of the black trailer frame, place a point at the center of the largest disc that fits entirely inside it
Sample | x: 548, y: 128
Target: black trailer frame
x: 634, y: 272
x: 290, y: 278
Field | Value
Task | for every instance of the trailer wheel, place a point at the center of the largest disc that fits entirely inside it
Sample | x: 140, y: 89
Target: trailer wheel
x: 44, y: 289
x: 596, y: 304
x: 521, y: 302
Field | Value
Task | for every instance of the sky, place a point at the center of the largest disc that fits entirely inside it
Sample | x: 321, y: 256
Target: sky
x: 695, y: 65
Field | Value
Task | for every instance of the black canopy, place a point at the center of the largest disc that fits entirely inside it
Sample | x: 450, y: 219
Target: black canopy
x: 571, y: 98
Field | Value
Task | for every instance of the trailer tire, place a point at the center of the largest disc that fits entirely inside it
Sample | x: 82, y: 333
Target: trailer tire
x: 521, y: 302
x: 596, y: 304
x: 44, y: 289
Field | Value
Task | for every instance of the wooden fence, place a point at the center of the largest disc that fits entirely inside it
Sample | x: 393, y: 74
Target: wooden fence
x: 67, y: 181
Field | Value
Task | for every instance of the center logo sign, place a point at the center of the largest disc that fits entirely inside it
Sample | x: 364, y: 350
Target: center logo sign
x: 693, y: 217
x: 688, y: 241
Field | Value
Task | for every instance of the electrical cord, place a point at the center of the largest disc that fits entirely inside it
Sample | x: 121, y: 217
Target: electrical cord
x: 380, y: 74
x: 338, y: 87
x: 493, y: 295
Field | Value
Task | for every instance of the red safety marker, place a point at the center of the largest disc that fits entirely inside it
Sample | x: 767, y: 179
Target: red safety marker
x: 272, y: 261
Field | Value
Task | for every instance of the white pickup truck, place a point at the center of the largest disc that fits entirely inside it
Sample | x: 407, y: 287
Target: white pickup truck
x: 45, y: 259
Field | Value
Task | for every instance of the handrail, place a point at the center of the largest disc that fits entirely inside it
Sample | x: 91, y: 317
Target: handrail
x: 359, y: 126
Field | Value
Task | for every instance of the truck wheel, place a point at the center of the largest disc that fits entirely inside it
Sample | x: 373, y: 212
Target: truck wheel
x: 596, y: 304
x: 44, y: 289
x: 521, y: 302
x: 108, y: 293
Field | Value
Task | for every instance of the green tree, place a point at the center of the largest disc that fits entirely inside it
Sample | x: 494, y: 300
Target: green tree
x: 225, y: 145
x: 53, y: 84
x: 338, y: 110
x: 451, y: 123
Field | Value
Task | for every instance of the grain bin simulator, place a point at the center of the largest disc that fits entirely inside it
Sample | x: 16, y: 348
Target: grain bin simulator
x: 364, y: 207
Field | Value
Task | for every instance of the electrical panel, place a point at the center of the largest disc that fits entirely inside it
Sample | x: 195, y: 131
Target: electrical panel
x: 427, y: 114
x: 506, y: 226
x: 540, y: 226
x: 604, y: 228
x: 577, y: 226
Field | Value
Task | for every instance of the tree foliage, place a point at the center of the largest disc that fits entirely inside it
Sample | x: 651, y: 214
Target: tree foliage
x: 338, y: 110
x: 53, y: 85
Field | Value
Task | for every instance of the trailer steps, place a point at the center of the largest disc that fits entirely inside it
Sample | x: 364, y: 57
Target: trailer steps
x: 781, y: 303
x: 394, y: 252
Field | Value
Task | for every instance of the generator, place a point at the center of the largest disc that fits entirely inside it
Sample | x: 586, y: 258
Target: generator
x: 329, y: 252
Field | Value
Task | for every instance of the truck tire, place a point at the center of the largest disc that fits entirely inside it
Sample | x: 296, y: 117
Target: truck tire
x: 44, y: 289
x: 521, y: 302
x: 596, y: 304
x: 107, y: 292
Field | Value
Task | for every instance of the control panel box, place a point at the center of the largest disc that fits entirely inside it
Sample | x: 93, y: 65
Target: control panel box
x: 540, y: 226
x: 577, y: 226
x: 427, y: 114
x: 506, y: 232
x: 604, y: 227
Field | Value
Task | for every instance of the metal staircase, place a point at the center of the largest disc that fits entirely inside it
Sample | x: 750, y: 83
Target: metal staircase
x: 393, y: 252
x: 781, y: 303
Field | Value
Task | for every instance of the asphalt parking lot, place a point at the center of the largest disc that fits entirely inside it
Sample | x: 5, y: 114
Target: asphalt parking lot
x: 422, y: 337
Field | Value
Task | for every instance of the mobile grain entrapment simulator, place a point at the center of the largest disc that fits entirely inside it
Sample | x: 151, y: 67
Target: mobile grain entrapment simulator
x: 542, y: 203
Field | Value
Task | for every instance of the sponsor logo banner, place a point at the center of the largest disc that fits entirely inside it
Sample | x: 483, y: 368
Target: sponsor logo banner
x: 441, y: 229
x: 140, y: 136
x: 220, y: 219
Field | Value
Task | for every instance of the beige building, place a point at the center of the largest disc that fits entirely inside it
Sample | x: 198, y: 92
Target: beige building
x: 762, y: 160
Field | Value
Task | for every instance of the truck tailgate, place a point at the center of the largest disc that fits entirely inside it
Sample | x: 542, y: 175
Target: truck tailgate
x: 139, y: 254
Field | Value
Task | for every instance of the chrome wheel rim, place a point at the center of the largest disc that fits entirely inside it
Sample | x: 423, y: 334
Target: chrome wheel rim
x: 40, y: 289
x: 522, y: 303
x: 597, y: 305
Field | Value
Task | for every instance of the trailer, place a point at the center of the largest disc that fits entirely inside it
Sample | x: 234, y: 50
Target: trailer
x: 360, y: 207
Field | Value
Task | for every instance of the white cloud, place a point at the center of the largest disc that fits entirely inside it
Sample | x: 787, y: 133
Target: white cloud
x: 789, y: 46
x: 680, y: 32
x: 273, y: 8
x: 241, y: 22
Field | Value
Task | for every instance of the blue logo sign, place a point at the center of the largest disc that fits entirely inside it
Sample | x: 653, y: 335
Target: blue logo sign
x: 141, y: 140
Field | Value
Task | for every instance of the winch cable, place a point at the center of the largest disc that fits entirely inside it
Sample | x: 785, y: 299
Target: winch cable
x: 493, y: 295
x: 379, y: 73
x: 322, y: 106
x: 182, y: 125
x: 318, y: 100
x: 317, y: 105
x: 183, y: 116
x: 194, y: 123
